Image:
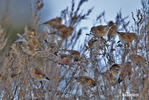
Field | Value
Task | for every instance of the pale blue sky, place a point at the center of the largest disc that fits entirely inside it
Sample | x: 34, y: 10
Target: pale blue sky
x: 111, y: 8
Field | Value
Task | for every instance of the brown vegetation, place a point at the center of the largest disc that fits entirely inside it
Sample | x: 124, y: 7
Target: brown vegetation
x: 102, y: 69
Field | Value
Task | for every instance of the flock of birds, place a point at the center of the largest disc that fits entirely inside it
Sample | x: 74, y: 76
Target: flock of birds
x: 115, y: 74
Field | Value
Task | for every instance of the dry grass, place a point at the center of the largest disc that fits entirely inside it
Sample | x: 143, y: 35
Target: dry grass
x: 55, y: 56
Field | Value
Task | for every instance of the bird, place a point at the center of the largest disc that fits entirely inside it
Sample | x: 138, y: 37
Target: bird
x: 115, y: 69
x: 14, y: 16
x: 138, y: 60
x: 125, y: 71
x: 64, y: 31
x: 65, y: 59
x: 112, y: 30
x: 75, y: 54
x: 110, y: 78
x: 85, y: 81
x: 91, y: 42
x: 53, y: 22
x: 100, y: 30
x: 38, y: 74
x: 127, y: 37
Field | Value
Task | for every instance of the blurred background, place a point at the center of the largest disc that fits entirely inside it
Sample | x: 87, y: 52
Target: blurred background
x: 19, y: 12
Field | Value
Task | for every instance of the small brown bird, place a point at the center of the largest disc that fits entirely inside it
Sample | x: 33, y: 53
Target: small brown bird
x: 54, y: 22
x: 91, y: 42
x: 125, y: 71
x: 109, y: 77
x: 38, y: 74
x: 85, y: 81
x: 75, y: 54
x: 65, y: 59
x: 112, y: 30
x: 115, y: 69
x: 65, y: 31
x: 100, y: 30
x: 138, y: 60
x: 127, y: 37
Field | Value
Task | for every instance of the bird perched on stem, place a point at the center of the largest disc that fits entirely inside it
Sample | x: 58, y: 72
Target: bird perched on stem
x: 115, y: 69
x: 38, y: 74
x: 109, y: 77
x: 65, y: 59
x: 112, y: 30
x: 85, y: 81
x: 127, y: 37
x: 54, y: 22
x: 125, y: 71
x: 100, y: 30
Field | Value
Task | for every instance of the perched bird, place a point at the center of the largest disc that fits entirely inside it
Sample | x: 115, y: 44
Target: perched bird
x: 127, y: 37
x: 91, y: 42
x: 38, y: 74
x: 125, y: 71
x: 112, y: 30
x: 64, y: 31
x: 65, y: 59
x: 109, y: 77
x: 85, y: 81
x: 115, y: 69
x: 75, y: 54
x: 54, y: 22
x: 138, y: 60
x: 100, y: 30
x: 14, y: 16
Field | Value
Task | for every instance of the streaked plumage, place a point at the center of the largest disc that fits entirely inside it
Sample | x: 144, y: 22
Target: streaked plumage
x: 65, y: 59
x: 85, y: 81
x: 100, y: 30
x: 127, y: 37
x: 64, y: 31
x: 125, y: 71
x: 115, y: 69
x: 54, y: 22
x: 38, y: 74
x: 109, y: 77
